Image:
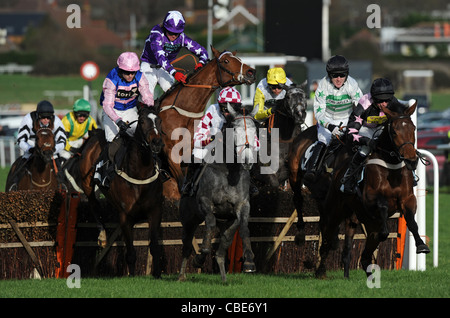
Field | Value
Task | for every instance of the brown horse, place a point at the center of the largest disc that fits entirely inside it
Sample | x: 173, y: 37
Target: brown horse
x: 39, y: 168
x: 135, y: 192
x: 387, y: 187
x: 184, y: 103
x: 288, y: 118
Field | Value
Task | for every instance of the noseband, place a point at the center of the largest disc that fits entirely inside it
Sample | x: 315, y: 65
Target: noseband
x: 240, y: 76
x: 396, y: 152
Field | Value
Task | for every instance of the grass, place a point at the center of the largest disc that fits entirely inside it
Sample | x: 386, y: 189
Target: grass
x: 17, y: 88
x: 393, y: 284
x: 432, y: 283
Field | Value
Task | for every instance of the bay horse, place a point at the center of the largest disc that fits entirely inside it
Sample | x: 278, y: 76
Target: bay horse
x: 222, y: 198
x: 135, y: 192
x: 39, y: 168
x: 387, y: 187
x: 288, y: 119
x: 184, y: 103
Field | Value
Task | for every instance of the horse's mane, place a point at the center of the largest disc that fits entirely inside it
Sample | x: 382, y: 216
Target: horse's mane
x: 177, y: 84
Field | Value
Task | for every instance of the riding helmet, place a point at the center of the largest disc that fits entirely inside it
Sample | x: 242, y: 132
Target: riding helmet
x: 128, y: 61
x: 382, y: 89
x: 276, y: 76
x: 174, y: 22
x: 337, y: 64
x: 45, y: 108
x: 81, y: 107
x: 229, y: 95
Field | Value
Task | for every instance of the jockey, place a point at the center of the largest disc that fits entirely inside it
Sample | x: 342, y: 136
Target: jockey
x: 210, y: 124
x: 161, y: 48
x: 119, y: 98
x: 44, y: 115
x: 77, y: 124
x: 269, y: 91
x: 333, y: 104
x: 362, y: 125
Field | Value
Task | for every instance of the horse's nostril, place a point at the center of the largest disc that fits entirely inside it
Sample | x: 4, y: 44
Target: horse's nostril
x: 251, y: 73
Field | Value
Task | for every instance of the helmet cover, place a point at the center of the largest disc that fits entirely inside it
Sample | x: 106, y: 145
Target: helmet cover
x: 229, y: 95
x: 81, y: 105
x: 276, y: 76
x: 128, y: 61
x: 174, y: 22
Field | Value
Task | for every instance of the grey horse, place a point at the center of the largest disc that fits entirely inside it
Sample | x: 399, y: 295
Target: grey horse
x: 222, y: 198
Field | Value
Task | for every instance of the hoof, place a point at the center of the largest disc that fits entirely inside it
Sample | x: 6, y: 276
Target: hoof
x: 422, y: 249
x: 249, y: 267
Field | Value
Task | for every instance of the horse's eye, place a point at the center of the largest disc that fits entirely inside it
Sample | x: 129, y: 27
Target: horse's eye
x: 226, y: 61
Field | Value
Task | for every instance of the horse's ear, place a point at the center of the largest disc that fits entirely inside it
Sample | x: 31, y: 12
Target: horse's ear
x: 410, y: 110
x: 234, y: 52
x: 303, y: 85
x: 231, y: 110
x: 215, y: 52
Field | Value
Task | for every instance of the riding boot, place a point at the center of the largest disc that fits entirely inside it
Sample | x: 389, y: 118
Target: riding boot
x: 349, y: 179
x: 59, y: 162
x: 191, y: 176
x: 311, y: 164
x: 18, y: 174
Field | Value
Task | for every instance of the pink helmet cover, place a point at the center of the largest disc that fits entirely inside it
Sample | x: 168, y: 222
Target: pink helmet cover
x: 128, y: 61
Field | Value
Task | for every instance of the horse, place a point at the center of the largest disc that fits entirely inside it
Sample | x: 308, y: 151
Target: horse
x: 387, y: 187
x: 185, y: 102
x: 222, y: 199
x: 288, y: 119
x: 39, y: 168
x: 135, y: 192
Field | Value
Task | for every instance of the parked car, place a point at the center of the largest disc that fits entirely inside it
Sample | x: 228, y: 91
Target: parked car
x: 430, y: 140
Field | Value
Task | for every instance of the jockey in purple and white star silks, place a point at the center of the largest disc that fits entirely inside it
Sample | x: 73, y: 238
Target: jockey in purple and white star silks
x: 161, y: 48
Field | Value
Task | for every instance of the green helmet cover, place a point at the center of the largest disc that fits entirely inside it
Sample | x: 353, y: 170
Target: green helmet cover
x: 81, y: 105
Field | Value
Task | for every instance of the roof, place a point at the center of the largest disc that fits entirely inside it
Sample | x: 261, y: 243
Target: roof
x: 18, y: 23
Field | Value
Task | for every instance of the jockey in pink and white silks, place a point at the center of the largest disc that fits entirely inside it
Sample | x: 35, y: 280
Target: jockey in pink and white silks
x: 161, y: 48
x: 211, y: 124
x: 333, y: 104
x: 213, y: 120
x: 119, y: 99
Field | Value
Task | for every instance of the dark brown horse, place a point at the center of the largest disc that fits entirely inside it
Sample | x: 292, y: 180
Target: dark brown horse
x: 39, y: 168
x: 287, y: 121
x: 136, y: 191
x: 387, y: 188
x: 184, y: 103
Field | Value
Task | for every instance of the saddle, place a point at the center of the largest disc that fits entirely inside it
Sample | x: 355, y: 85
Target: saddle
x: 327, y: 157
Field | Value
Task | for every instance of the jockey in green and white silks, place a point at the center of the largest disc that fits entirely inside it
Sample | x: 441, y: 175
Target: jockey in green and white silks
x: 333, y: 104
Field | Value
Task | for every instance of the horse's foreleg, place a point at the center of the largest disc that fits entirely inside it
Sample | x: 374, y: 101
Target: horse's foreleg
x: 210, y: 222
x: 372, y: 242
x: 350, y: 229
x: 410, y: 211
x: 225, y: 241
x: 298, y: 204
x: 95, y: 207
x: 130, y: 255
x: 155, y: 248
x: 249, y: 264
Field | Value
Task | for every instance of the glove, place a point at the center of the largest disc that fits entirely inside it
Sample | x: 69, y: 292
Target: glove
x: 335, y: 130
x: 122, y: 125
x: 180, y: 77
x: 273, y: 109
x: 199, y: 65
